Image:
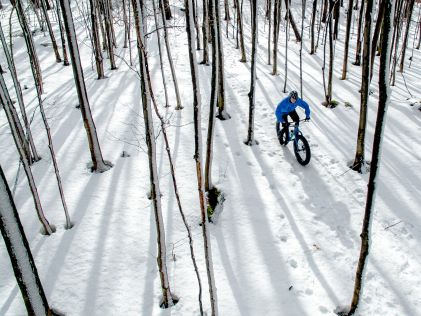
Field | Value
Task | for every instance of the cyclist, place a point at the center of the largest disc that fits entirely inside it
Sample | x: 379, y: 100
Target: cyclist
x: 286, y: 108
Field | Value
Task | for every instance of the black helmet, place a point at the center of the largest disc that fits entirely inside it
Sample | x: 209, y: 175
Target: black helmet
x: 293, y: 94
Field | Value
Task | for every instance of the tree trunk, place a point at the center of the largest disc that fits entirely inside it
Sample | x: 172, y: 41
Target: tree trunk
x: 359, y: 155
x: 376, y: 35
x: 357, y: 61
x: 325, y: 12
x: 20, y: 254
x: 347, y: 34
x: 222, y: 112
x: 170, y: 59
x: 303, y: 16
x: 205, y: 32
x: 158, y: 37
x: 198, y: 157
x: 410, y: 8
x: 50, y: 31
x: 62, y: 35
x: 27, y: 34
x: 269, y: 17
x: 336, y: 15
x: 126, y: 24
x: 313, y: 22
x: 396, y: 38
x: 214, y: 95
x: 12, y: 119
x: 286, y: 44
x: 240, y: 27
x: 384, y: 100
x: 96, y: 40
x: 29, y: 144
x: 292, y: 21
x: 98, y: 163
x: 177, y: 195
x: 109, y: 32
x: 250, y: 141
x: 167, y: 298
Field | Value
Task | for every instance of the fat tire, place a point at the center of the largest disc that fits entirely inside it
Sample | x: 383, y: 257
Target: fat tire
x: 300, y: 145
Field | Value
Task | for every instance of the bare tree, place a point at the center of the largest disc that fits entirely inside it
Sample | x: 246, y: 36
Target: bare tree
x: 198, y: 157
x: 222, y: 112
x: 161, y: 62
x: 30, y: 141
x: 313, y: 22
x: 109, y: 31
x: 359, y: 154
x: 303, y: 16
x: 241, y: 32
x: 170, y: 59
x: 410, y: 8
x: 384, y: 100
x: 347, y: 35
x: 62, y: 35
x: 214, y: 95
x: 17, y: 246
x: 50, y: 30
x: 250, y: 141
x: 376, y: 35
x: 27, y: 34
x: 205, y: 32
x: 98, y: 163
x: 276, y: 21
x: 357, y: 61
x: 168, y: 299
x: 13, y: 120
x: 96, y: 40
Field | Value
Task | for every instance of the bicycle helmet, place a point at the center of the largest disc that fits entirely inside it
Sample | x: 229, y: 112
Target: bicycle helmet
x: 293, y: 94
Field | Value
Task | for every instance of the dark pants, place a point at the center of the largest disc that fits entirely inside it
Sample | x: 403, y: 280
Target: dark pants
x: 293, y: 115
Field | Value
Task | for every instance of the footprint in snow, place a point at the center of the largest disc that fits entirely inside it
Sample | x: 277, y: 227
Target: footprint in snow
x: 293, y: 263
x: 284, y: 238
x: 249, y: 163
x: 323, y: 309
x: 237, y: 153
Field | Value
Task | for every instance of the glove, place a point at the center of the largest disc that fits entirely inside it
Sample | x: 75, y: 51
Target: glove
x: 307, y: 119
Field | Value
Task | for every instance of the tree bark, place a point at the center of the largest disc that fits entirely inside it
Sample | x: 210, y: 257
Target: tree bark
x: 98, y: 163
x: 28, y: 144
x: 360, y: 154
x: 12, y: 119
x: 250, y: 141
x: 50, y: 31
x: 33, y: 57
x: 62, y: 35
x: 17, y: 246
x: 357, y: 61
x: 198, y: 158
x: 376, y: 35
x: 96, y: 40
x: 167, y: 297
x: 384, y: 100
x: 347, y: 34
x: 410, y: 8
x: 313, y: 22
x: 240, y: 27
x: 167, y: 46
x: 214, y: 95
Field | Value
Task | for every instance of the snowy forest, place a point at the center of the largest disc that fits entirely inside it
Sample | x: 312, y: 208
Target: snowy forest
x: 142, y: 171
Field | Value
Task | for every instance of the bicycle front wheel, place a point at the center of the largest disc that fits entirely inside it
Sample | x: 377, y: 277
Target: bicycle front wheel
x: 302, y: 150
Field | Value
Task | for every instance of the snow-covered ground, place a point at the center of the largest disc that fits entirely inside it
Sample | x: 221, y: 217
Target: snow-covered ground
x: 287, y: 240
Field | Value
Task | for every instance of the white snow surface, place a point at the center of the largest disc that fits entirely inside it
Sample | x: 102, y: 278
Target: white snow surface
x: 287, y: 241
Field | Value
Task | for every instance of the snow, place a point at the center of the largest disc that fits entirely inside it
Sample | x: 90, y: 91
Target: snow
x: 287, y: 241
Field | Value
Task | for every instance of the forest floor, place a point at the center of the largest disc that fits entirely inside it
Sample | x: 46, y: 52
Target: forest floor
x: 287, y: 239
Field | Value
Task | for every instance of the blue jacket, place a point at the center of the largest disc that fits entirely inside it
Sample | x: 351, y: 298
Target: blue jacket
x: 285, y: 107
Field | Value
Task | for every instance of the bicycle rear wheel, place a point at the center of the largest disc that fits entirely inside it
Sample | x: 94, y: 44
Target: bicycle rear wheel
x: 302, y: 150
